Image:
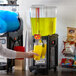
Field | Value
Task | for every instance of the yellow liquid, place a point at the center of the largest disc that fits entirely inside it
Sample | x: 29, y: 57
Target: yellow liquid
x: 43, y: 26
x: 44, y: 51
x: 38, y: 50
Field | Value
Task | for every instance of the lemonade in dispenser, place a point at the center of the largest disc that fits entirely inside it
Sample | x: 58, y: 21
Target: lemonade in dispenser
x: 43, y: 20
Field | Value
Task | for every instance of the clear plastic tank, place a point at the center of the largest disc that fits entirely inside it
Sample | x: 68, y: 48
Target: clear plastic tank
x: 43, y: 20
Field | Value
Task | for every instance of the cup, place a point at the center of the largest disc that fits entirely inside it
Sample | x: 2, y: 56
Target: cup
x: 38, y: 50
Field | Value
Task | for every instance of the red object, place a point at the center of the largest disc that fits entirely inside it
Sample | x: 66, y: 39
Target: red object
x: 52, y: 42
x: 38, y: 12
x: 63, y: 61
x: 70, y: 61
x: 15, y: 38
x: 37, y: 36
x: 19, y: 49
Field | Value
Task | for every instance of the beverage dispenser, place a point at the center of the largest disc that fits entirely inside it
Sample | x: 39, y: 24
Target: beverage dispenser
x: 45, y: 41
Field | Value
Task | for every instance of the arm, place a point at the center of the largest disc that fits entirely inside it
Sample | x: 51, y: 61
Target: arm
x: 25, y: 54
x: 11, y: 54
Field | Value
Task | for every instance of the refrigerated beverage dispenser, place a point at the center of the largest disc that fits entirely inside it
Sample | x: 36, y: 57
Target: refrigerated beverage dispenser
x: 45, y: 39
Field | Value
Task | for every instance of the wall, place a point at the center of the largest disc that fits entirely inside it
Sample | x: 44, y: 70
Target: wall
x: 65, y: 16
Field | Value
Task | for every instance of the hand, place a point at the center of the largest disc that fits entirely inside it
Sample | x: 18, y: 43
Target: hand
x: 30, y: 54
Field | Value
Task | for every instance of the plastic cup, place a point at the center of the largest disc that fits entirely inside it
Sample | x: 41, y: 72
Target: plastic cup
x: 38, y: 50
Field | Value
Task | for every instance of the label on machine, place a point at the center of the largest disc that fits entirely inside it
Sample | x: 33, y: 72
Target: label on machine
x: 41, y: 61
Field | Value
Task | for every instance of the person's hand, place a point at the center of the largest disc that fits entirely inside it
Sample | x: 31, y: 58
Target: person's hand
x: 30, y: 54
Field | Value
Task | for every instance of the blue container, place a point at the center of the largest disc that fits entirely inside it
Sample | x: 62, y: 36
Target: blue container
x: 8, y: 21
x: 3, y: 26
